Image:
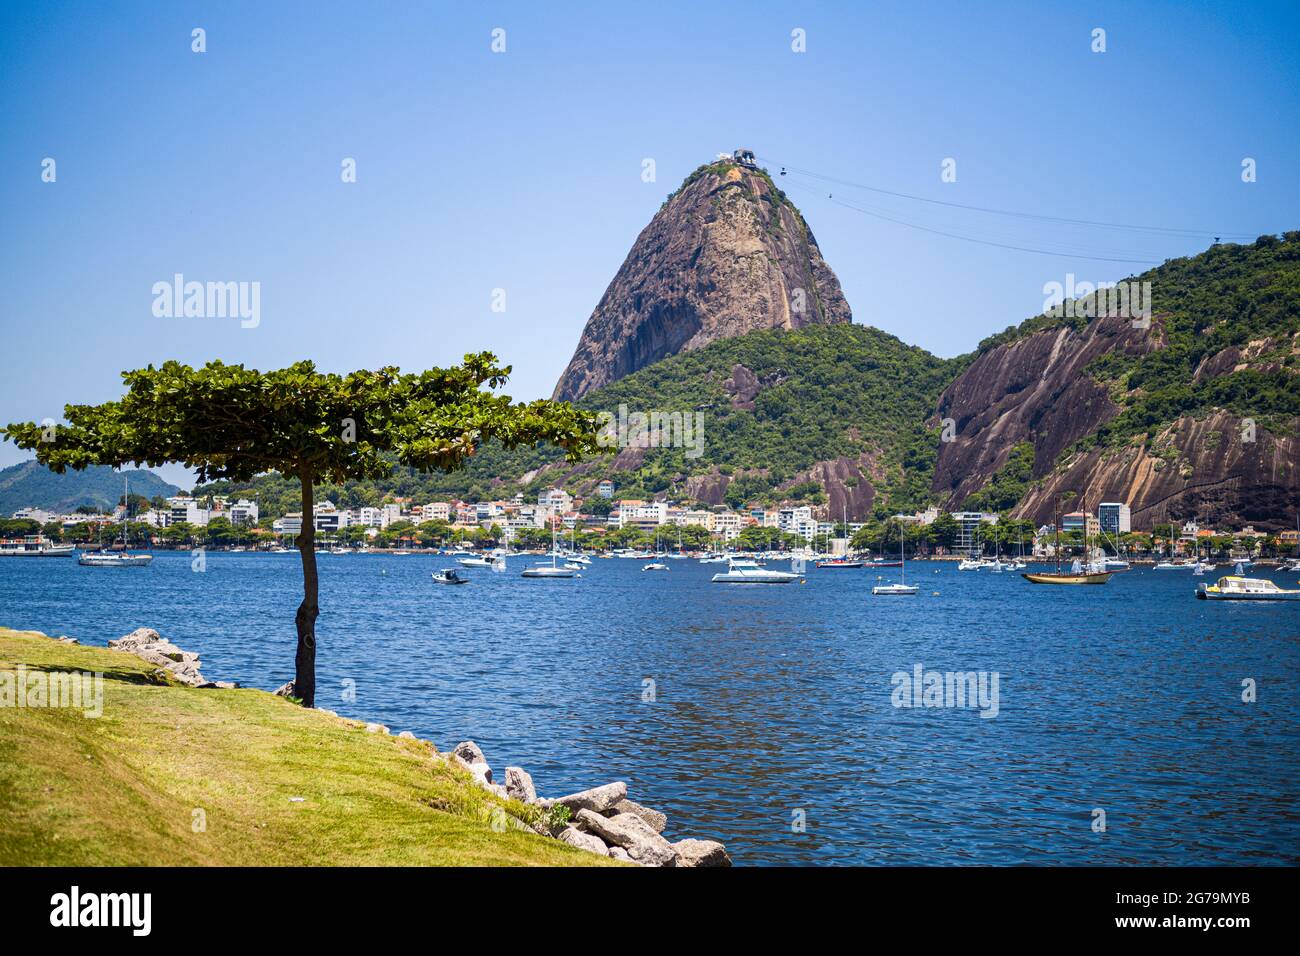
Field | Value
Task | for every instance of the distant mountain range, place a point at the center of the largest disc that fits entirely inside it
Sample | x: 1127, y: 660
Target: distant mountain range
x: 30, y: 485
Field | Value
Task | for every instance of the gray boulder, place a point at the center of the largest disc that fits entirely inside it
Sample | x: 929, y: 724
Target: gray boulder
x: 633, y: 834
x: 284, y: 690
x: 519, y: 785
x: 597, y: 799
x: 468, y: 755
x: 583, y: 841
x: 140, y: 637
x: 618, y: 853
x: 693, y: 853
x: 376, y: 729
x: 656, y: 819
x: 148, y: 645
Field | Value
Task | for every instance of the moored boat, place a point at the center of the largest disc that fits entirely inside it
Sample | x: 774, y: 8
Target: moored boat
x: 745, y: 571
x: 1092, y: 573
x: 1068, y: 577
x: 829, y: 563
x: 35, y: 546
x: 114, y: 559
x: 1235, y: 588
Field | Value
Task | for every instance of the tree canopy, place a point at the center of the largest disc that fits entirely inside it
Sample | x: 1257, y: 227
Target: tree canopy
x: 234, y: 423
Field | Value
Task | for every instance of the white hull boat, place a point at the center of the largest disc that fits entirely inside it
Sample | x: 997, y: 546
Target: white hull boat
x: 114, y: 559
x: 1234, y: 588
x: 547, y: 571
x: 748, y: 572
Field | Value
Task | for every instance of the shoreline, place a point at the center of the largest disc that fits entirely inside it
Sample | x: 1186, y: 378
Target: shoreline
x: 601, y: 821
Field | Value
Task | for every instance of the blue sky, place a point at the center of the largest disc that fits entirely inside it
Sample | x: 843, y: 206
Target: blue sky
x: 522, y: 170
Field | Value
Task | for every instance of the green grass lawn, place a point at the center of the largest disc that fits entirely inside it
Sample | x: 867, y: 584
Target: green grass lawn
x: 123, y: 789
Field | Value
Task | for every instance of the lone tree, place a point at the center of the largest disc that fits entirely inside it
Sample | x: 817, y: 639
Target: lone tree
x: 229, y: 422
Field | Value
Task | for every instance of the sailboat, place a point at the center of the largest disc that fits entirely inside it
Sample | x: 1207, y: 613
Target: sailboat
x: 104, y: 558
x: 902, y: 588
x: 843, y: 561
x: 1078, y: 574
x: 554, y: 570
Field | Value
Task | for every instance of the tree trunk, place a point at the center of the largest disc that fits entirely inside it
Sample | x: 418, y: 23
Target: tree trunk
x: 304, y: 681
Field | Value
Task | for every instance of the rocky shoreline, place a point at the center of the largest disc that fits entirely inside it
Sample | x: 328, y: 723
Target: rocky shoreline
x: 601, y: 820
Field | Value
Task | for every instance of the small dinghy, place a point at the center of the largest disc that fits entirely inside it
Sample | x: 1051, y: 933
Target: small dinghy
x: 449, y: 576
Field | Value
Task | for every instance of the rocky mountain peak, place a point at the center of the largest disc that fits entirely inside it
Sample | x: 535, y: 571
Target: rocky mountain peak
x: 726, y: 254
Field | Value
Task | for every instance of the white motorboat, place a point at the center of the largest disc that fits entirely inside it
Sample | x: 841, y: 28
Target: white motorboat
x: 114, y: 559
x: 449, y: 576
x: 1174, y: 566
x: 655, y: 566
x: 1115, y: 564
x: 744, y: 571
x: 474, y: 562
x: 967, y: 564
x: 1235, y: 588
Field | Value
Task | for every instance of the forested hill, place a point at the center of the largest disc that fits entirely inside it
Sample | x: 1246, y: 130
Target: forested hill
x: 821, y: 415
x: 29, y: 484
x: 1195, y: 413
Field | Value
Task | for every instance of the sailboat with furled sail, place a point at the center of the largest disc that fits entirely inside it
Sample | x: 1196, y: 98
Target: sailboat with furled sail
x: 1079, y: 573
x: 117, y: 559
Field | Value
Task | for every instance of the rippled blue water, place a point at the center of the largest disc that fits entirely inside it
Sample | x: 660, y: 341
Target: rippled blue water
x: 772, y: 700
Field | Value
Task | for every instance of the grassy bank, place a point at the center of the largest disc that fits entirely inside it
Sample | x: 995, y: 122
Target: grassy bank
x: 123, y: 789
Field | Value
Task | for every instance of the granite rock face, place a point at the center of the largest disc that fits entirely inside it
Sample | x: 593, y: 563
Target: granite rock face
x: 727, y: 254
x: 1039, y: 389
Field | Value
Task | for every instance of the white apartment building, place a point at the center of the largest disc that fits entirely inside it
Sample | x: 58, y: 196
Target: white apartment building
x: 797, y: 521
x: 557, y: 499
x: 727, y: 525
x: 244, y: 512
x: 327, y: 517
x: 642, y: 514
x: 290, y: 523
x: 183, y: 509
x: 695, y: 519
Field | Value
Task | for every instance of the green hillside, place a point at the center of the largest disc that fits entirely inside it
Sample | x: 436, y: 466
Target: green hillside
x: 1230, y: 297
x: 823, y: 392
x: 28, y: 484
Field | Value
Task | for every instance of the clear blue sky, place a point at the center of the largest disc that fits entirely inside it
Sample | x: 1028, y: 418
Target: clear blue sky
x: 522, y: 170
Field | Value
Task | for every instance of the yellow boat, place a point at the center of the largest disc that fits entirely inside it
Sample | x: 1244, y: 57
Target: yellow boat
x: 1237, y: 588
x: 1067, y: 577
x: 1077, y: 574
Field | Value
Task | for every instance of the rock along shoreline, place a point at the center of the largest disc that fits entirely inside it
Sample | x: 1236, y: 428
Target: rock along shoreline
x: 601, y: 820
